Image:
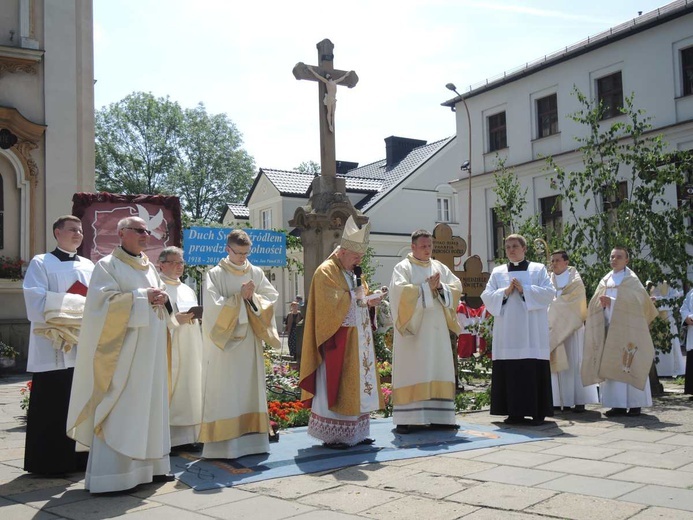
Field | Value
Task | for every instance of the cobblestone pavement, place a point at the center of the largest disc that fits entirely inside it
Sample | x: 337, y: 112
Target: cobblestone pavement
x: 590, y: 468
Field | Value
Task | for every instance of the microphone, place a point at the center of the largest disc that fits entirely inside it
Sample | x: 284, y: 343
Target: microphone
x: 252, y: 303
x: 357, y: 273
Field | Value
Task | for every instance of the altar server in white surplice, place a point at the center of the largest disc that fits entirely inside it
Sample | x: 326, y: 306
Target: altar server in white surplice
x: 672, y: 363
x: 55, y: 286
x: 238, y: 316
x: 423, y: 299
x: 518, y: 295
x: 119, y: 403
x: 184, y: 354
x: 567, y: 315
x: 618, y: 347
x: 687, y: 323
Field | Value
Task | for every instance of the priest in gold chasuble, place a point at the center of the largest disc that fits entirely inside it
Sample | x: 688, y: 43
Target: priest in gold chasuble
x: 238, y: 316
x: 339, y: 379
x: 424, y: 295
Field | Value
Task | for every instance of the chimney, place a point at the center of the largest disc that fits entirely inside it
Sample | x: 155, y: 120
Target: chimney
x: 344, y: 167
x: 397, y: 148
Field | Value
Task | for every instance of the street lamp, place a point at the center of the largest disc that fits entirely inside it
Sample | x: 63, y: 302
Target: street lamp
x: 467, y: 165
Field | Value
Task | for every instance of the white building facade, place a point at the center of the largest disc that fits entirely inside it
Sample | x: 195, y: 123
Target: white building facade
x: 522, y: 116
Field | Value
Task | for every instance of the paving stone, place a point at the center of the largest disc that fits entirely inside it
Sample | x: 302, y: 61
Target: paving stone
x: 15, y: 481
x: 596, y: 487
x: 350, y: 498
x: 158, y: 489
x: 495, y: 514
x: 472, y: 454
x: 196, y: 500
x: 450, y: 466
x: 582, y: 452
x: 293, y: 487
x: 326, y: 515
x: 581, y: 507
x: 13, y: 511
x: 501, y: 496
x: 51, y: 497
x: 669, y: 460
x: 429, y: 485
x: 594, y: 468
x: 372, y: 475
x: 580, y: 430
x: 407, y: 508
x: 595, y: 440
x: 513, y: 475
x: 538, y: 446
x: 656, y: 476
x: 637, y: 434
x: 517, y: 458
x: 172, y: 513
x: 662, y: 513
x: 663, y: 497
x: 650, y: 447
x: 678, y: 440
x: 103, y: 507
x: 257, y: 507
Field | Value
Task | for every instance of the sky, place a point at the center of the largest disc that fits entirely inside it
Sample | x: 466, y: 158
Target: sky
x: 236, y: 58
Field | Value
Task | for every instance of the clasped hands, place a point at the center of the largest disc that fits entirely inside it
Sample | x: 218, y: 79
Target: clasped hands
x: 515, y: 285
x: 605, y: 301
x: 247, y: 290
x: 434, y: 282
x: 157, y: 297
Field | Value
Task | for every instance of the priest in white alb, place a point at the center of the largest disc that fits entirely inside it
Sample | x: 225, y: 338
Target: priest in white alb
x: 687, y: 323
x: 567, y: 315
x: 184, y: 353
x: 518, y: 295
x: 239, y: 305
x: 339, y: 379
x: 119, y: 403
x: 618, y: 347
x: 424, y: 295
x: 55, y: 287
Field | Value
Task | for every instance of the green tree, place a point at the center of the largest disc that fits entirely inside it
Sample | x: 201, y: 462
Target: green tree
x: 137, y: 144
x: 308, y: 167
x: 212, y: 169
x: 618, y: 197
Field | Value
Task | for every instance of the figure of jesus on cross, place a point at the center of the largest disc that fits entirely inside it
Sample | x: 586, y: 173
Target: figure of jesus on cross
x: 330, y: 99
x: 325, y: 74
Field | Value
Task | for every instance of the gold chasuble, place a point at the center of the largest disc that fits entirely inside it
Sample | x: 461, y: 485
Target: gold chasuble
x: 623, y: 350
x: 567, y: 314
x: 329, y: 302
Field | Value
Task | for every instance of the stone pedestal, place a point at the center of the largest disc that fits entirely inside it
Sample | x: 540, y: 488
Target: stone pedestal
x: 322, y: 222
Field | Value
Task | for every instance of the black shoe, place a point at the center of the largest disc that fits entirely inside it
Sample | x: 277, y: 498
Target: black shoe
x: 537, y: 421
x: 514, y: 419
x: 403, y: 429
x: 435, y: 426
x: 366, y: 442
x: 578, y: 408
x: 335, y: 445
x: 163, y: 478
x: 615, y: 412
x: 633, y: 412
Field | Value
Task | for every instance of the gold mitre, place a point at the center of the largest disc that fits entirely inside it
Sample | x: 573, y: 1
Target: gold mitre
x: 355, y: 239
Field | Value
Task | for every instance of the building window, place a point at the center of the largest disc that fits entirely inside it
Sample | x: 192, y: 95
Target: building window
x: 498, y: 234
x: 444, y: 204
x: 266, y: 219
x: 687, y: 70
x: 547, y: 116
x: 551, y: 215
x: 610, y: 94
x: 497, y: 136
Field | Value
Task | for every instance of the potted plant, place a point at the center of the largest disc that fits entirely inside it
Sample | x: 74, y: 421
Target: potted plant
x: 7, y: 355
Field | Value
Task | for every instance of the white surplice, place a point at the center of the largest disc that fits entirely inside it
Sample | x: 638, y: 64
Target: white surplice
x: 521, y: 325
x: 687, y: 312
x: 128, y: 428
x: 234, y: 402
x: 672, y: 363
x: 422, y: 363
x: 616, y: 394
x: 47, y: 274
x: 185, y: 408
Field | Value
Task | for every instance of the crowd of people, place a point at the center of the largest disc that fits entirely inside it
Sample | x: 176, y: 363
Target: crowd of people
x: 126, y: 368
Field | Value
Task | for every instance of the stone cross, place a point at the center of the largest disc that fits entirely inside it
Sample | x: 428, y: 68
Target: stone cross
x: 328, y: 78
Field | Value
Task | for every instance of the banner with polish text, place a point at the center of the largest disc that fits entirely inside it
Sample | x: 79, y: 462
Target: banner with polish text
x: 206, y: 246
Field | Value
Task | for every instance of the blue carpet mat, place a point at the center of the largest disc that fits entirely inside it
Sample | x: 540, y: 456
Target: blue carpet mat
x: 297, y: 453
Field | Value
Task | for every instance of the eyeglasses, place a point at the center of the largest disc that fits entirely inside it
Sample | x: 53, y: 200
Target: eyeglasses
x: 247, y: 253
x: 139, y: 231
x: 176, y: 262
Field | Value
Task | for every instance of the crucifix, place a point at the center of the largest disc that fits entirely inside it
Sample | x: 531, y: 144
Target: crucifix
x: 328, y: 78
